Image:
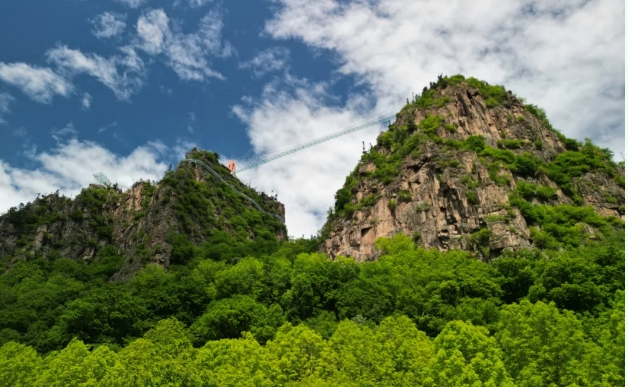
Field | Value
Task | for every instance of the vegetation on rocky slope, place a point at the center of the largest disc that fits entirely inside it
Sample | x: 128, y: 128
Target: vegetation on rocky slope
x: 523, y: 166
x: 236, y: 305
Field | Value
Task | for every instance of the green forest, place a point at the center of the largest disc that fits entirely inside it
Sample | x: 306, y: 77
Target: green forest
x: 295, y: 318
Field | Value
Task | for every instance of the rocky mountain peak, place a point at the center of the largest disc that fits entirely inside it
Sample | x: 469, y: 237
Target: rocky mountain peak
x: 468, y: 165
x: 154, y: 222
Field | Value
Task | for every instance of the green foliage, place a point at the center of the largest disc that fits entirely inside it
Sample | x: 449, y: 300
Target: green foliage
x: 230, y: 317
x: 430, y: 124
x: 343, y: 196
x: 414, y: 317
x: 496, y: 218
x: 475, y: 143
x: 369, y: 200
x: 245, y: 310
x: 472, y: 197
x: 481, y: 240
x: 494, y: 95
x: 469, y: 182
x: 404, y: 196
x: 76, y: 215
x: 148, y: 190
x: 538, y: 145
x: 427, y: 100
x: 563, y: 224
x: 510, y: 144
x: 572, y: 164
x: 531, y: 191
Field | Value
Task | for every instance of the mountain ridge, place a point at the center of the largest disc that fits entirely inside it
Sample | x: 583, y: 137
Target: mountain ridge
x: 460, y: 168
x: 144, y: 223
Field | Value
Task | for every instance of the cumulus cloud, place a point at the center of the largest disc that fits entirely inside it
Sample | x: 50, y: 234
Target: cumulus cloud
x: 124, y: 83
x: 271, y: 59
x: 186, y: 54
x: 86, y: 102
x: 39, y: 83
x: 70, y: 167
x: 565, y: 56
x: 292, y: 112
x: 108, y: 24
x: 131, y: 3
x: 5, y: 100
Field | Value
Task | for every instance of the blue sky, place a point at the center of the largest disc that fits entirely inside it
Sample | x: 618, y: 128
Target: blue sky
x: 124, y: 87
x: 167, y: 106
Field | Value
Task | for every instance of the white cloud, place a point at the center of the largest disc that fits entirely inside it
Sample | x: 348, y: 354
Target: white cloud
x: 111, y: 125
x: 152, y: 30
x: 306, y: 181
x: 40, y: 84
x: 108, y: 24
x: 123, y: 84
x: 71, y: 166
x: 5, y: 100
x: 86, y: 102
x: 132, y: 3
x: 181, y: 147
x: 186, y: 54
x: 271, y: 59
x: 61, y: 134
x: 565, y: 56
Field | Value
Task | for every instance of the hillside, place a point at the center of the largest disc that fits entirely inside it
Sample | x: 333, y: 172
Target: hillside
x: 484, y: 249
x: 147, y: 223
x: 469, y: 166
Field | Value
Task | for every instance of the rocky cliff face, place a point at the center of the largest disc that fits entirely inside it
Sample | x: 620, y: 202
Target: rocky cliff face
x: 140, y: 222
x: 468, y: 166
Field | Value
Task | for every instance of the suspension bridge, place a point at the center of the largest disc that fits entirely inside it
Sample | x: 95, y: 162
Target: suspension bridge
x: 272, y: 157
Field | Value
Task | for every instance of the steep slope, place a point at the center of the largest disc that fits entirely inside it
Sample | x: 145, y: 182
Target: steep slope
x: 145, y: 223
x: 469, y: 166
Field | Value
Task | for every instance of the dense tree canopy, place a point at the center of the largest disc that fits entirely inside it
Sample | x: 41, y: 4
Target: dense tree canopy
x: 414, y: 317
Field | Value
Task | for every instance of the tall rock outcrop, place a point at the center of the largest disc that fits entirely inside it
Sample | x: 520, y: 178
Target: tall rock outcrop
x: 143, y: 222
x: 469, y: 166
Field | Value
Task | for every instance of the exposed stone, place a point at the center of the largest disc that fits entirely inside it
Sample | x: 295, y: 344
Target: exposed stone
x: 138, y: 220
x: 440, y: 214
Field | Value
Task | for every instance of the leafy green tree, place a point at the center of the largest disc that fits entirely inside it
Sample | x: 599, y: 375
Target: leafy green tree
x: 233, y: 363
x: 466, y: 355
x: 543, y: 346
x: 19, y: 365
x: 405, y: 349
x: 246, y: 278
x: 104, y: 315
x: 297, y: 353
x: 76, y: 366
x: 164, y: 357
x: 359, y: 353
x: 230, y: 317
